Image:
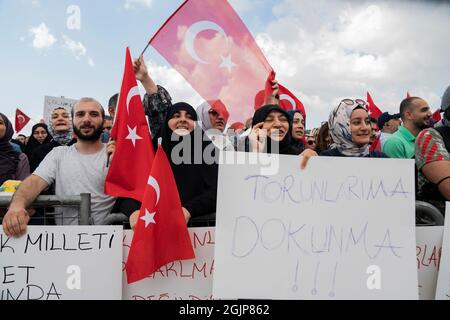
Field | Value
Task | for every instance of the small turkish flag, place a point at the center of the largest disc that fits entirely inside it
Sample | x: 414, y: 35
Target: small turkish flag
x: 374, y: 111
x: 210, y: 46
x: 437, y: 116
x: 288, y: 101
x: 21, y: 120
x: 134, y: 151
x: 161, y: 235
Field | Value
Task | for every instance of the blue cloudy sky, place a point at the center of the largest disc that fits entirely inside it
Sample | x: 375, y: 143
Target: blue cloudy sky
x: 322, y: 50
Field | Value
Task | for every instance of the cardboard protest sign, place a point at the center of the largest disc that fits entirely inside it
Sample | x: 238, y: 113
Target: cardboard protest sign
x: 443, y: 284
x: 62, y: 263
x: 50, y: 103
x: 319, y: 233
x: 179, y: 280
x: 429, y: 246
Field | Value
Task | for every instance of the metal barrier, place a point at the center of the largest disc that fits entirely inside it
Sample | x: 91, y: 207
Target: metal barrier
x: 83, y: 202
x: 428, y: 215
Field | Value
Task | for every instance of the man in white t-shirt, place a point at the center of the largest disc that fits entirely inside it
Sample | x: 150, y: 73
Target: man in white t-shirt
x: 80, y: 168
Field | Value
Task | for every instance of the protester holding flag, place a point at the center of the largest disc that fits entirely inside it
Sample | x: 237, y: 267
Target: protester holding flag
x: 193, y: 160
x: 13, y: 165
x: 39, y: 137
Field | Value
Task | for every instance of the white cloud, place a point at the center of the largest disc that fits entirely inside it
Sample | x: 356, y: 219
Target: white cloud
x: 327, y: 50
x: 91, y: 62
x: 35, y: 3
x: 76, y: 47
x: 170, y: 79
x: 132, y: 4
x: 42, y: 37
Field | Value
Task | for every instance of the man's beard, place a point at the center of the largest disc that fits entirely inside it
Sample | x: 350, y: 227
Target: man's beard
x: 94, y: 136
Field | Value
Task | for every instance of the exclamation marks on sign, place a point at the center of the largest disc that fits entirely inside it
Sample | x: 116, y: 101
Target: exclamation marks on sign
x: 295, y: 286
x: 314, y: 290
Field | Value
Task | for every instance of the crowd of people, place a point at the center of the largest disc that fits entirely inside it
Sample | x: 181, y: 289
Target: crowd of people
x: 69, y: 155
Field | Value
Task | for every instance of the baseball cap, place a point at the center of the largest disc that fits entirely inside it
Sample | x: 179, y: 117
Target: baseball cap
x: 385, y: 117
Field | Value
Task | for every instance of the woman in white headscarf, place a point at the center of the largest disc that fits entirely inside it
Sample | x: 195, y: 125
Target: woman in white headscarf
x: 213, y: 117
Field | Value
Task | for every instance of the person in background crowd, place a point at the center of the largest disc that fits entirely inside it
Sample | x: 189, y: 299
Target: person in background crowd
x: 60, y: 130
x: 39, y: 136
x: 323, y: 141
x: 13, y: 165
x: 297, y: 120
x: 311, y: 140
x: 213, y: 116
x: 107, y: 126
x: 415, y: 114
x: 74, y: 169
x: 22, y: 138
x: 112, y: 105
x: 373, y: 130
x: 433, y: 159
x: 388, y: 124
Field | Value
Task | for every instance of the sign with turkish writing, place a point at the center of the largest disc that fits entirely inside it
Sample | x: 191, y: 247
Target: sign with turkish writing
x: 429, y: 247
x: 62, y: 263
x: 343, y: 228
x: 443, y: 284
x: 179, y: 280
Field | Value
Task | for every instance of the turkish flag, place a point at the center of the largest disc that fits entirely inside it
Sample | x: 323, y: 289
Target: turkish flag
x: 437, y: 116
x: 134, y: 151
x: 374, y: 111
x: 21, y: 120
x: 161, y: 235
x: 210, y: 46
x: 288, y: 101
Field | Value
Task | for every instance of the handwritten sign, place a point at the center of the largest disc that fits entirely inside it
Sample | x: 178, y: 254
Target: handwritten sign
x: 180, y: 280
x: 62, y: 263
x: 50, y: 103
x: 443, y: 284
x: 429, y: 247
x: 343, y: 228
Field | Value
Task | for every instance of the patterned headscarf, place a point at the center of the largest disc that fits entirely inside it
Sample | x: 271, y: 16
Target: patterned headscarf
x: 339, y: 124
x: 63, y: 138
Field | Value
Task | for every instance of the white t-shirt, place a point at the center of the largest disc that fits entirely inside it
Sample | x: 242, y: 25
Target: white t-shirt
x: 74, y: 173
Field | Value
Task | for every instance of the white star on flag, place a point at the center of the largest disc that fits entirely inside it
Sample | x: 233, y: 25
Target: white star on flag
x: 148, y: 218
x: 227, y: 63
x: 132, y: 135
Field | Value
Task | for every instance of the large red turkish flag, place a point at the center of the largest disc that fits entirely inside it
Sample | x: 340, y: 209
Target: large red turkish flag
x: 207, y: 42
x: 130, y: 167
x: 374, y: 111
x: 161, y: 235
x: 21, y: 120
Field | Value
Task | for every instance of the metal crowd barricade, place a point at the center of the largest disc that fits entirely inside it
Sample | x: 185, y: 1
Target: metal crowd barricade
x: 45, y: 202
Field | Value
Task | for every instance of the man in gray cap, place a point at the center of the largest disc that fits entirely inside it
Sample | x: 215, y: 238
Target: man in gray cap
x: 433, y: 159
x: 388, y: 124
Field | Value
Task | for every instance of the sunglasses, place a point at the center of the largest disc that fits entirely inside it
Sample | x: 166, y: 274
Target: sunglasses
x: 310, y: 142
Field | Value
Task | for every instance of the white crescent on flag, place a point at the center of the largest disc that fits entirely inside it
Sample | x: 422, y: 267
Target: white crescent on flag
x: 152, y: 182
x: 132, y: 93
x: 290, y: 99
x: 21, y: 118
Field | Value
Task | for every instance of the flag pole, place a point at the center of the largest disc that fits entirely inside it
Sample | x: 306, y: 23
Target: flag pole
x: 148, y: 44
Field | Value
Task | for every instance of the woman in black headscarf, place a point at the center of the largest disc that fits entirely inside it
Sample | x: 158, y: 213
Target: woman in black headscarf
x: 39, y: 136
x: 13, y: 165
x: 271, y: 132
x: 193, y: 159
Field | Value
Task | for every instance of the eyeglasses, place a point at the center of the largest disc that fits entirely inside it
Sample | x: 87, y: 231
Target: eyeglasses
x: 310, y: 142
x: 358, y: 102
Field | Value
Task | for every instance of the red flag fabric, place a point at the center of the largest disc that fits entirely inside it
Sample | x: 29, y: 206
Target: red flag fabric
x: 376, y: 145
x: 437, y: 116
x: 374, y: 111
x: 21, y: 120
x: 161, y: 235
x: 134, y: 151
x: 207, y: 42
x: 288, y: 101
